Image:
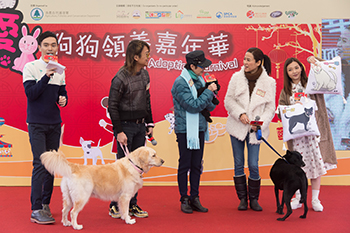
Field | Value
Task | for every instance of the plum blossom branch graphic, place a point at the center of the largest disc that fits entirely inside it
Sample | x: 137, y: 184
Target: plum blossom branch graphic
x: 313, y: 31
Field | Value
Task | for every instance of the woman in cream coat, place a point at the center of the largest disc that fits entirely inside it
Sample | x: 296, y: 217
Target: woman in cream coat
x: 250, y: 96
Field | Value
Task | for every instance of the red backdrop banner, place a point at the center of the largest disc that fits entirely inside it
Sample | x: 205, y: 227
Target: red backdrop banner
x: 93, y: 53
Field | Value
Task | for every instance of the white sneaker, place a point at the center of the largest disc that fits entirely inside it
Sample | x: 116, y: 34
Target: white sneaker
x: 316, y: 205
x: 295, y: 203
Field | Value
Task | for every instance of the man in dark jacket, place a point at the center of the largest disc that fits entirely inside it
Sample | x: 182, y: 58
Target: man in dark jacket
x: 46, y: 92
x: 129, y: 107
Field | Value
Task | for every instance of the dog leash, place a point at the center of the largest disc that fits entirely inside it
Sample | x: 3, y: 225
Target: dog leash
x: 260, y: 137
x: 126, y: 152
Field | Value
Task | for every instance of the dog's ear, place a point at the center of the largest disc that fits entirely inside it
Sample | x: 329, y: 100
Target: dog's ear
x: 81, y: 141
x: 143, y: 157
x: 288, y: 155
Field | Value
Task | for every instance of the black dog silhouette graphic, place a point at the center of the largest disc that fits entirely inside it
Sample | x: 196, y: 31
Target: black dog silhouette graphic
x: 301, y: 118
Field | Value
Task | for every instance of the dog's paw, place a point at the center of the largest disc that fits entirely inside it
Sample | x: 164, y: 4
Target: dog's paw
x: 280, y: 219
x: 279, y: 212
x: 130, y: 221
x: 302, y: 216
x: 78, y: 227
x: 66, y: 223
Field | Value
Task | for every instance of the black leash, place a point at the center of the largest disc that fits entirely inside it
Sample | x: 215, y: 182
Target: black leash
x: 274, y: 149
x: 260, y: 137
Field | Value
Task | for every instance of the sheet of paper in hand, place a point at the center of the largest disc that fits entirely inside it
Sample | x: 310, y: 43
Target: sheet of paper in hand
x: 59, y: 68
x: 325, y: 77
x: 299, y: 120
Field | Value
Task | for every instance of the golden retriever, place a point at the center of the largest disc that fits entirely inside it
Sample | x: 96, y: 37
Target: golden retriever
x: 118, y: 181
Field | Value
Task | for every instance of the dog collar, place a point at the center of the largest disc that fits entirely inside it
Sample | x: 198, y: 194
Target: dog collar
x: 140, y: 170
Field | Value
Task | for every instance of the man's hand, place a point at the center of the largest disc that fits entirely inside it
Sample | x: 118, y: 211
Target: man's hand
x: 122, y: 138
x: 62, y: 101
x: 50, y: 72
x: 149, y: 131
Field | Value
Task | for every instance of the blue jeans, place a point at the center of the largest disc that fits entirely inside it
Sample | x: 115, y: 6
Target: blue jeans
x: 136, y: 134
x: 238, y: 156
x: 42, y: 138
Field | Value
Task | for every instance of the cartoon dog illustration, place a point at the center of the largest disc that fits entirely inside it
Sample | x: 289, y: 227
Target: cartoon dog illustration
x: 171, y: 119
x: 302, y: 118
x: 91, y: 153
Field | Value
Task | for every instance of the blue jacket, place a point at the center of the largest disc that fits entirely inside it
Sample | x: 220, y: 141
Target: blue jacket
x: 184, y: 101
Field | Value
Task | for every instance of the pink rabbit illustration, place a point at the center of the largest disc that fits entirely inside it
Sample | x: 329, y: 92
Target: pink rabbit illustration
x: 28, y: 46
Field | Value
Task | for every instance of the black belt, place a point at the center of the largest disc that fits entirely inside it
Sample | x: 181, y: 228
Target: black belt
x: 137, y: 121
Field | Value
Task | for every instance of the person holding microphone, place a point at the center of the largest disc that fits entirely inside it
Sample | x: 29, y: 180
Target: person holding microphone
x: 250, y: 95
x: 46, y: 93
x: 191, y: 127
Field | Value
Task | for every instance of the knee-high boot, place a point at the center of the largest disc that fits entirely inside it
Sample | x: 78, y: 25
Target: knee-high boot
x: 254, y: 190
x: 241, y: 189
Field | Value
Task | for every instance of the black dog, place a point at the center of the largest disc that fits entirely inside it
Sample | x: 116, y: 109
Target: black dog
x: 289, y: 177
x: 215, y: 101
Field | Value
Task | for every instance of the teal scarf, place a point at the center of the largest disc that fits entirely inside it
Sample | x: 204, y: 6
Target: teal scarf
x: 192, y: 119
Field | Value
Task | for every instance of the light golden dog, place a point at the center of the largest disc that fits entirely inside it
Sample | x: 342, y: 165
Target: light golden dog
x: 118, y: 181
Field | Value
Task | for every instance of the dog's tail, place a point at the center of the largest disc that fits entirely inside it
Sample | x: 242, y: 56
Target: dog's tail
x: 56, y: 163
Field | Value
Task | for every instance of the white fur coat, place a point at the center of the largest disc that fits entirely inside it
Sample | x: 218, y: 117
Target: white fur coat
x: 261, y: 103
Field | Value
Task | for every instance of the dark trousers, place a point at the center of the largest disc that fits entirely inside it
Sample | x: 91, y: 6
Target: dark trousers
x: 42, y: 138
x: 189, y: 160
x: 136, y: 134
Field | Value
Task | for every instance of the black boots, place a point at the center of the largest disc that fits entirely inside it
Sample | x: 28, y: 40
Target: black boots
x: 189, y: 205
x: 196, y: 205
x: 185, y: 205
x: 241, y: 189
x: 254, y: 190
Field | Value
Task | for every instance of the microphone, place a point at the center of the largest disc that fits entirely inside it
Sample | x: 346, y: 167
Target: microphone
x: 151, y: 139
x: 258, y: 131
x: 257, y: 118
x: 258, y: 124
x: 210, y: 78
x: 48, y: 58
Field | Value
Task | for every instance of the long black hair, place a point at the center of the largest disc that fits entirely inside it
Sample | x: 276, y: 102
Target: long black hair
x: 260, y: 56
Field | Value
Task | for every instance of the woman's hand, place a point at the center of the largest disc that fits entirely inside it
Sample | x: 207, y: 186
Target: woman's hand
x: 254, y: 128
x: 244, y: 119
x: 212, y: 87
x: 311, y: 60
